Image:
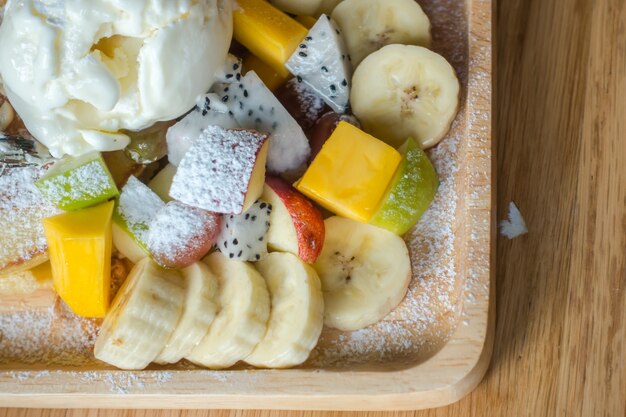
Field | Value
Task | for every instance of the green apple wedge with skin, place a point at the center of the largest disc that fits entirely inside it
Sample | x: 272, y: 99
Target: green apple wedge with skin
x: 74, y: 183
x: 136, y: 207
x: 126, y: 242
x: 410, y: 193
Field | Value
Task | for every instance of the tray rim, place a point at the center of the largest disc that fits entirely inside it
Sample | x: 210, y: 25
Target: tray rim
x: 441, y: 380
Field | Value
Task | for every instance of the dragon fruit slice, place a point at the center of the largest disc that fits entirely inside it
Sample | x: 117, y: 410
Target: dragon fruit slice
x: 244, y: 236
x: 209, y: 111
x: 322, y: 62
x: 254, y: 106
x: 231, y: 71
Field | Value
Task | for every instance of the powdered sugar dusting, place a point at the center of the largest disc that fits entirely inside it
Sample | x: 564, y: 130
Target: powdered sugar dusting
x: 85, y: 183
x: 215, y: 172
x: 52, y: 336
x: 138, y: 204
x: 178, y: 229
x: 22, y: 207
x: 311, y: 104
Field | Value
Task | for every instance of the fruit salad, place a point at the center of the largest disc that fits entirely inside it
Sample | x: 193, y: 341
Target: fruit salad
x: 256, y: 163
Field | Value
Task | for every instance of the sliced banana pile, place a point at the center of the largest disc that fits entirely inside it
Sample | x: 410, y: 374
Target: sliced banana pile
x: 400, y: 88
x: 219, y: 312
x: 215, y: 313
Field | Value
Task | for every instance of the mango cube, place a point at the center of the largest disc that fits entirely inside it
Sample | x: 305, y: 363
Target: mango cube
x: 351, y: 173
x: 410, y: 193
x: 74, y: 183
x: 267, y: 32
x: 307, y: 21
x: 79, y: 244
x: 267, y: 74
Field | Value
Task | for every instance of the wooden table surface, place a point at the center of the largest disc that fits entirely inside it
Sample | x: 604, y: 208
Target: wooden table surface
x: 561, y: 290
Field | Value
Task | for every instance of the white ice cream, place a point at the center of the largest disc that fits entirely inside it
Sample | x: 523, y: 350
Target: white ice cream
x: 78, y: 71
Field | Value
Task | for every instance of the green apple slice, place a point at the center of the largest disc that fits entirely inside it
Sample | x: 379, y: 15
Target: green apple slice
x: 410, y: 193
x: 135, y: 208
x: 74, y: 183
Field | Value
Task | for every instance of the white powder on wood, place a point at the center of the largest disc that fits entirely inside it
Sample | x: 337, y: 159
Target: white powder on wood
x: 22, y: 207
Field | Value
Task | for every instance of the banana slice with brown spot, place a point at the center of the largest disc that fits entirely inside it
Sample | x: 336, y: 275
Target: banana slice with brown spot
x: 404, y: 91
x: 365, y: 272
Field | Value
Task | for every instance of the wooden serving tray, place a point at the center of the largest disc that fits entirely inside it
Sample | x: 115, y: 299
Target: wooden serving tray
x: 431, y: 351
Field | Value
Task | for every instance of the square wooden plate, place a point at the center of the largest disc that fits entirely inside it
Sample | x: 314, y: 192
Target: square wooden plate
x: 431, y: 351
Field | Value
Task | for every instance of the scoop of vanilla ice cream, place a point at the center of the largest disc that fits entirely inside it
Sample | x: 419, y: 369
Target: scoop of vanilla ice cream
x: 79, y: 71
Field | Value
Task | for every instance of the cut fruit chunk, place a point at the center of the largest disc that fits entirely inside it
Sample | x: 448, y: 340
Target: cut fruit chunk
x: 410, y: 193
x: 369, y: 25
x: 136, y: 208
x: 255, y: 107
x: 323, y: 63
x: 327, y: 7
x: 297, y: 6
x: 365, y: 272
x: 296, y: 225
x: 231, y: 71
x: 307, y: 21
x: 79, y: 244
x: 180, y: 235
x: 143, y: 316
x: 324, y: 128
x: 297, y: 312
x: 351, y: 173
x: 267, y: 74
x: 122, y: 167
x: 223, y: 171
x: 267, y: 32
x: 162, y: 182
x: 209, y: 111
x: 22, y: 207
x: 78, y: 182
x: 244, y: 236
x: 302, y: 103
x: 148, y: 145
x: 200, y: 307
x: 405, y: 91
x: 242, y: 320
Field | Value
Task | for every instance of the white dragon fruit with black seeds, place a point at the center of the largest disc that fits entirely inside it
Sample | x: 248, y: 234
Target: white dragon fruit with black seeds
x: 322, y: 62
x: 254, y: 106
x: 231, y: 72
x: 209, y: 111
x: 244, y: 236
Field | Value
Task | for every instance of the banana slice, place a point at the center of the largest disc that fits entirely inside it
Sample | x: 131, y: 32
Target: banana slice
x: 365, y: 272
x: 143, y: 316
x: 199, y: 313
x: 301, y: 7
x: 368, y: 25
x: 242, y: 320
x: 404, y: 91
x: 297, y: 313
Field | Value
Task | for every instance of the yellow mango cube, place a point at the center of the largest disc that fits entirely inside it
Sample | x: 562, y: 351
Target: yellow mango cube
x: 307, y: 21
x: 350, y: 174
x: 79, y: 245
x: 267, y: 32
x: 267, y: 74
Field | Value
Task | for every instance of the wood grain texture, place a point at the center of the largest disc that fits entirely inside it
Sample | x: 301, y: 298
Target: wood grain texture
x: 560, y: 339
